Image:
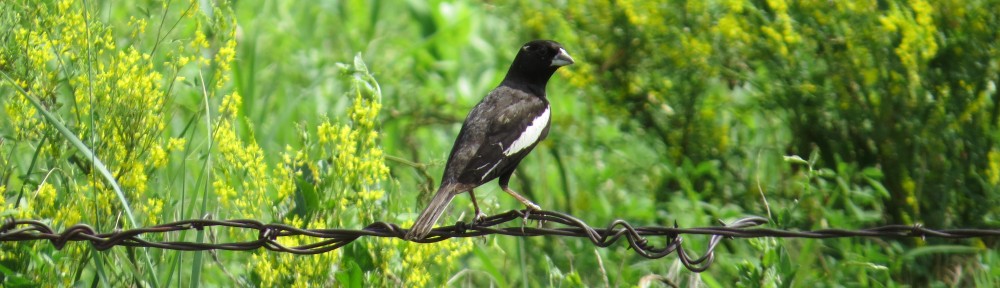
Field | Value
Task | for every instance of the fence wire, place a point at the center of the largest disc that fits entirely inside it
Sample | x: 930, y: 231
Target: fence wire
x: 268, y: 235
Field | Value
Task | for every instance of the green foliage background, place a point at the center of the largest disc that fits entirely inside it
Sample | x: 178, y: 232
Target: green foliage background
x: 339, y: 113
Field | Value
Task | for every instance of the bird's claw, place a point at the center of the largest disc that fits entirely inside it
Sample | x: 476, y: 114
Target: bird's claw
x: 531, y: 207
x: 479, y: 219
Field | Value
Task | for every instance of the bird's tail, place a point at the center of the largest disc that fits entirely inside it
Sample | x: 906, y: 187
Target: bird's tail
x: 429, y: 217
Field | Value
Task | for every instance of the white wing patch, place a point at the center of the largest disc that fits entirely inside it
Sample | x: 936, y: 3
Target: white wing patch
x: 488, y: 171
x: 530, y: 134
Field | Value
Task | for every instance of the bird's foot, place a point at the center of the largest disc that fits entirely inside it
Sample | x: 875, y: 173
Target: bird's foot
x: 479, y: 218
x: 532, y: 207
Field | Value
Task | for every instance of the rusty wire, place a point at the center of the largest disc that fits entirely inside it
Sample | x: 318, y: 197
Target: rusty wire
x: 332, y: 239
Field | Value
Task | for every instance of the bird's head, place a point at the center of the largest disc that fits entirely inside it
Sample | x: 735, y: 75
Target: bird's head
x: 537, y: 60
x: 542, y: 54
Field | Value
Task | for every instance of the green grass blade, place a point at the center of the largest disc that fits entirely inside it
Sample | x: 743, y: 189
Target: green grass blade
x: 87, y: 153
x: 489, y: 267
x: 196, y: 267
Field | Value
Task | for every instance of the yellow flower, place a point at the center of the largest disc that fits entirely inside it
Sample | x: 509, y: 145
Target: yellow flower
x: 993, y: 174
x: 153, y: 209
x: 176, y: 144
x: 231, y: 104
x: 730, y: 27
x: 46, y: 196
x: 888, y: 22
x: 157, y: 156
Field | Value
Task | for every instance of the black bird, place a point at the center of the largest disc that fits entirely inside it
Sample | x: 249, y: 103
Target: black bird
x: 498, y: 132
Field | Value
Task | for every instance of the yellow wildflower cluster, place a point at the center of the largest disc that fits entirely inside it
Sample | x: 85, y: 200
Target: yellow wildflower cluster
x: 241, y: 178
x: 415, y: 264
x: 731, y: 27
x: 290, y: 159
x: 644, y: 15
x: 974, y: 108
x: 38, y: 203
x: 137, y: 25
x: 347, y: 176
x: 783, y: 34
x: 125, y: 93
x: 176, y: 144
x: 357, y: 160
x: 23, y: 118
x: 697, y: 51
x: 115, y: 95
x: 289, y: 270
x: 993, y: 173
x: 918, y: 44
x: 152, y: 208
x: 356, y: 156
x: 226, y: 53
x: 46, y: 198
x: 158, y: 157
x: 231, y: 105
x: 855, y: 6
x: 106, y: 84
x: 224, y: 58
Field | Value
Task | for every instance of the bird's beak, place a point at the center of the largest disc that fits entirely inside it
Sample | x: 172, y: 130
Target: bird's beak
x: 562, y: 59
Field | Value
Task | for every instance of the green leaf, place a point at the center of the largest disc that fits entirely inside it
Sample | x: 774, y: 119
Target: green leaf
x: 795, y: 159
x: 306, y: 198
x: 351, y: 276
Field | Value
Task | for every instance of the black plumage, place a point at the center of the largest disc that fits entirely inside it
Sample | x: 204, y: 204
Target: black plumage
x: 497, y: 134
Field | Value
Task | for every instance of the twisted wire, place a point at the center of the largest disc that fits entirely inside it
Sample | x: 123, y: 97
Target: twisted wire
x: 563, y: 225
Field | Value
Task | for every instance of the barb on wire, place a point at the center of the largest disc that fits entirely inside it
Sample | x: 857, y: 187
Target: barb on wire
x: 568, y: 226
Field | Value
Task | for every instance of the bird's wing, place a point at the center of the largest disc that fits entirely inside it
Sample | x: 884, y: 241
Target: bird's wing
x: 498, y: 134
x: 470, y: 138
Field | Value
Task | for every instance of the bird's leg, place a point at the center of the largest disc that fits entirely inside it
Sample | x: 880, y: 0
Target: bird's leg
x: 480, y: 216
x: 504, y: 180
x: 531, y: 205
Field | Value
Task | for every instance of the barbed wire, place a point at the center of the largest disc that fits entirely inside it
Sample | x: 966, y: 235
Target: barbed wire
x: 332, y: 239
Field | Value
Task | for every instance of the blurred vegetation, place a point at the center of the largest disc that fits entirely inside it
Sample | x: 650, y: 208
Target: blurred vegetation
x: 339, y: 113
